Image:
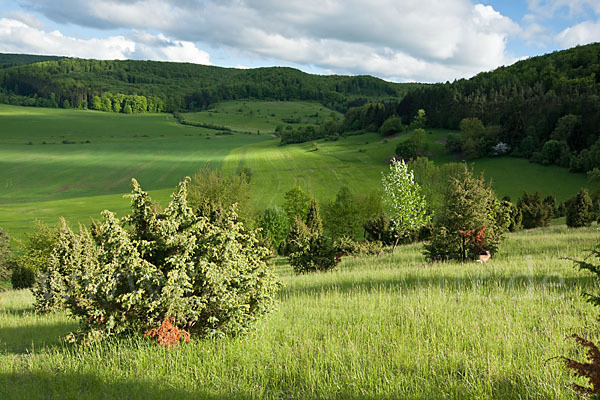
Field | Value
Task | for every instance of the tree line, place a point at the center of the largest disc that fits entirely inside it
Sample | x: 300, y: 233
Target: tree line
x: 75, y: 83
x: 545, y: 108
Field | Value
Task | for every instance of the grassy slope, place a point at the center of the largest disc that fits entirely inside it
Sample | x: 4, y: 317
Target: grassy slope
x: 78, y: 180
x: 391, y: 327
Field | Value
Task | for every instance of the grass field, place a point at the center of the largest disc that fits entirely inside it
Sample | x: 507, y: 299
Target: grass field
x: 79, y: 179
x: 375, y: 328
x: 263, y: 116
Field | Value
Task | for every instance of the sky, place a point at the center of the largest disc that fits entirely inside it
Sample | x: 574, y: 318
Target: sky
x: 397, y: 40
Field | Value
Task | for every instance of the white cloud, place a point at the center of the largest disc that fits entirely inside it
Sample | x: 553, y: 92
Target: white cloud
x: 16, y: 36
x: 583, y: 33
x: 407, y: 40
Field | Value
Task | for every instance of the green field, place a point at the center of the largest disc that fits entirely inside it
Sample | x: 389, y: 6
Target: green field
x: 375, y: 328
x: 263, y: 116
x: 79, y: 179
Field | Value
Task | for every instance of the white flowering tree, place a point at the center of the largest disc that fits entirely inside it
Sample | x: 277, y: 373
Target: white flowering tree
x: 404, y: 200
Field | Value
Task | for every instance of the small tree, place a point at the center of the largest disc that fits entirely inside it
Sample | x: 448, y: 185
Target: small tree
x: 471, y: 221
x: 213, y: 194
x: 579, y: 210
x: 274, y: 224
x: 309, y: 250
x: 34, y: 257
x: 296, y: 203
x: 535, y: 212
x: 404, y: 200
x: 392, y: 126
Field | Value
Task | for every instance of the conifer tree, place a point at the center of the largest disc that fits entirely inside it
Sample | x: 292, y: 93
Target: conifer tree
x: 579, y: 210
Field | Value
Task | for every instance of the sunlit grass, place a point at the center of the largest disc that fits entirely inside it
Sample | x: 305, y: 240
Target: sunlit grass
x: 378, y: 328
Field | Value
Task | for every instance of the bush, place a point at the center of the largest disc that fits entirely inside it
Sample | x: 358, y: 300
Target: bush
x: 472, y: 221
x: 346, y: 246
x: 5, y: 255
x: 274, y: 224
x: 308, y: 249
x: 579, y: 210
x: 22, y: 277
x: 210, y: 279
x: 36, y: 250
x: 379, y: 229
x: 535, y: 212
x: 212, y: 194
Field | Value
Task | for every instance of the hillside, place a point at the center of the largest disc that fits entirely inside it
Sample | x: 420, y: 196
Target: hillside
x: 174, y: 86
x: 554, y: 97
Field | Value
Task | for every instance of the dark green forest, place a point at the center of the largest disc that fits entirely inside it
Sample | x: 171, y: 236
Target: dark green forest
x: 138, y: 86
x: 544, y: 108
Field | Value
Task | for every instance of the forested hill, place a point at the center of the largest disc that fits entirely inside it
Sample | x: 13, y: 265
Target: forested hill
x: 164, y: 86
x: 546, y: 108
x: 12, y: 60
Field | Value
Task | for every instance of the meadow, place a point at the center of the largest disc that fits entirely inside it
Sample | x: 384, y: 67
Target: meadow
x: 76, y: 163
x: 374, y: 328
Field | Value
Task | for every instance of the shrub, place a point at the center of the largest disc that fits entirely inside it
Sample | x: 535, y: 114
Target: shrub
x: 36, y: 249
x: 308, y: 249
x: 534, y: 211
x: 212, y: 194
x: 454, y: 143
x: 22, y: 277
x: 274, y: 224
x: 579, y: 210
x: 406, y: 149
x: 5, y: 255
x: 346, y: 246
x: 379, y: 229
x: 209, y: 279
x: 471, y: 221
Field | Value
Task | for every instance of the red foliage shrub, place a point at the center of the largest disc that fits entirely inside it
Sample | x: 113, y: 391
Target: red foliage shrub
x: 589, y: 370
x: 168, y: 335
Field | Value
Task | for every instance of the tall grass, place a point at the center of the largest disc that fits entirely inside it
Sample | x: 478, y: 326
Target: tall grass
x: 375, y: 328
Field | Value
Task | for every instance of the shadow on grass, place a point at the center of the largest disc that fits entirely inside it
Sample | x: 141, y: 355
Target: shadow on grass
x: 61, y: 385
x: 30, y: 337
x: 408, y: 282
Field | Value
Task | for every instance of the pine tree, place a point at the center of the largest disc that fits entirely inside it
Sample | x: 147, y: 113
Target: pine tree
x: 471, y: 221
x: 579, y: 210
x: 313, y: 219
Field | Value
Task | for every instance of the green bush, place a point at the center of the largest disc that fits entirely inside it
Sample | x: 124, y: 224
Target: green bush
x: 346, y: 246
x: 5, y: 255
x: 22, y: 277
x: 579, y: 210
x: 210, y: 278
x: 36, y: 249
x: 308, y: 249
x: 535, y: 212
x: 379, y: 229
x: 274, y: 224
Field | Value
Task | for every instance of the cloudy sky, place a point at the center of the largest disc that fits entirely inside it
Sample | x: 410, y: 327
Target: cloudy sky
x: 399, y: 40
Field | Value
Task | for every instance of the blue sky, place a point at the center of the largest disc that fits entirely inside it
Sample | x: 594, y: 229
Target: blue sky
x: 399, y: 40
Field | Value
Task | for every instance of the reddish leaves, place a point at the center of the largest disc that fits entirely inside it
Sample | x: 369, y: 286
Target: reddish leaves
x: 475, y: 237
x: 168, y: 335
x: 589, y: 370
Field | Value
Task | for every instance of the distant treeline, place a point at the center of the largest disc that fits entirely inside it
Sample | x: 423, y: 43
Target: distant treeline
x: 545, y: 108
x: 79, y: 83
